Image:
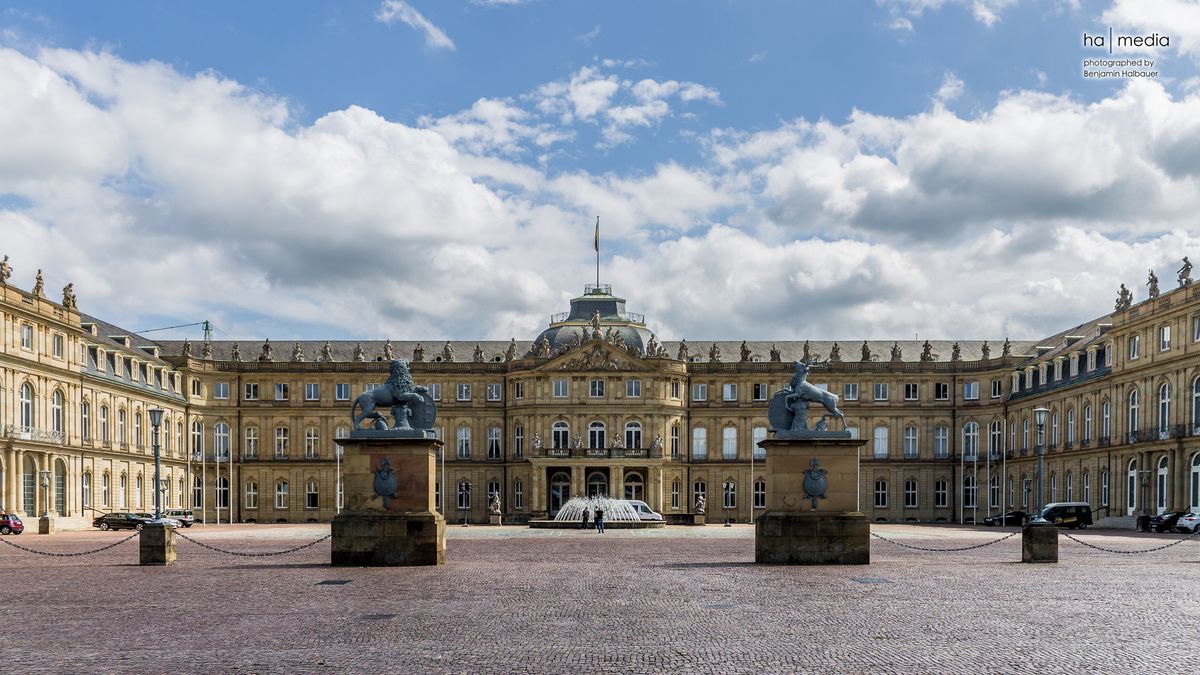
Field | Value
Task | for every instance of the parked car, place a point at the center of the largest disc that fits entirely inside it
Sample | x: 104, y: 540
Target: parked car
x: 1010, y: 518
x: 119, y: 520
x: 149, y: 517
x: 1166, y: 522
x: 184, y: 516
x: 1189, y: 522
x: 11, y: 524
x: 643, y: 510
x: 1066, y: 514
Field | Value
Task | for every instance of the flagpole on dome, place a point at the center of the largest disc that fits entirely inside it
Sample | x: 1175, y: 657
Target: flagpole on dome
x: 597, y: 246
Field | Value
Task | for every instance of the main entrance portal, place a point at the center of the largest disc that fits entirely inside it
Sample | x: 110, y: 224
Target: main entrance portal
x: 560, y: 491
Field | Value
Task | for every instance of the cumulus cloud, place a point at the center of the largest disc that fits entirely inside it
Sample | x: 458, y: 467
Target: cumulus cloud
x: 391, y: 11
x: 1180, y: 19
x: 986, y: 12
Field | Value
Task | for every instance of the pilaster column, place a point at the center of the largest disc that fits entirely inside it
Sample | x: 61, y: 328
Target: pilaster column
x: 616, y: 482
x: 654, y: 487
x: 577, y: 486
x: 9, y: 497
x: 19, y: 483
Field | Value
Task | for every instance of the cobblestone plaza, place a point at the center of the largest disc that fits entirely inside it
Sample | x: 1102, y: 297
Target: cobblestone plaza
x: 679, y: 599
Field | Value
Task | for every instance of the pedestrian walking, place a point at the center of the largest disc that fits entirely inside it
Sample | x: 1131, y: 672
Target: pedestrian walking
x: 586, y: 515
x: 599, y: 519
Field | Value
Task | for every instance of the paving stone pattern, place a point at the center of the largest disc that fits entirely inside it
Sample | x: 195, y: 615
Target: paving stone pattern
x: 679, y: 599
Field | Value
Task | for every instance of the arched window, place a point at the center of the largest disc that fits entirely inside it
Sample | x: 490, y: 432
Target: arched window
x: 56, y: 412
x: 700, y: 443
x: 1088, y: 427
x: 597, y: 484
x: 729, y: 443
x: 1164, y: 410
x: 1161, y: 492
x: 969, y: 489
x: 881, y: 442
x: 596, y: 437
x: 970, y: 440
x: 1134, y: 414
x: 1131, y: 488
x: 464, y: 494
x: 560, y: 435
x: 729, y: 490
x: 282, y: 440
x: 281, y: 494
x: 250, y: 449
x: 881, y: 494
x: 995, y: 439
x: 633, y: 434
x: 312, y: 443
x: 251, y: 495
x: 463, y: 442
x: 760, y: 493
x: 197, y: 438
x: 221, y: 441
x: 910, y: 442
x: 26, y: 407
x: 634, y: 486
x: 312, y: 494
x: 85, y: 420
x: 493, y: 443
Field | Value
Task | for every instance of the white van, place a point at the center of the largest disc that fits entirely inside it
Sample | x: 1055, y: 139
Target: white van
x: 643, y: 509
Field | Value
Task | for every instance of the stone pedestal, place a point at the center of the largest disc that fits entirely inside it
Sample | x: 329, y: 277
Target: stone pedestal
x: 698, y: 519
x: 389, y: 518
x: 495, y: 519
x: 1039, y: 543
x: 797, y: 529
x: 47, y: 525
x: 156, y: 544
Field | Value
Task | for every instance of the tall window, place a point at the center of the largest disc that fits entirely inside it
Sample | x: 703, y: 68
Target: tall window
x: 312, y: 443
x: 56, y: 412
x: 1087, y: 487
x: 881, y: 494
x: 1164, y: 409
x: 518, y: 495
x: 104, y: 437
x: 760, y: 493
x: 994, y: 491
x: 251, y: 493
x: 197, y: 437
x: 1070, y: 425
x: 26, y: 407
x: 969, y: 492
x: 759, y: 435
x: 1054, y: 429
x: 198, y: 492
x: 941, y: 443
x: 1195, y: 482
x: 995, y: 438
x: 311, y: 495
x: 596, y: 435
x: 221, y: 441
x: 939, y: 494
x: 222, y: 492
x: 1134, y: 412
x: 281, y: 442
x: 464, y: 495
x: 970, y: 440
x: 700, y: 443
x: 281, y: 494
x: 881, y: 442
x: 87, y: 488
x: 463, y: 442
x: 633, y: 434
x: 1161, y: 492
x: 1106, y: 419
x: 1104, y: 488
x: 910, y: 442
x: 1069, y: 484
x: 560, y: 435
x: 729, y: 490
x: 85, y: 420
x: 137, y: 430
x: 121, y: 437
x: 729, y: 443
x: 910, y: 494
x: 1131, y: 488
x: 675, y: 494
x: 675, y: 441
x: 250, y: 449
x: 1196, y: 407
x: 493, y: 443
x: 518, y: 441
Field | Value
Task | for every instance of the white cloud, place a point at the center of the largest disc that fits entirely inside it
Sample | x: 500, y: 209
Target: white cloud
x: 986, y: 12
x: 1178, y: 19
x: 952, y: 87
x: 588, y: 37
x: 391, y: 11
x: 757, y: 57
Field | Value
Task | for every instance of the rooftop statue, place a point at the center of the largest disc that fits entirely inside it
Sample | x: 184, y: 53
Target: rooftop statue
x: 413, y: 409
x: 1152, y: 282
x: 186, y: 349
x: 775, y: 356
x: 835, y: 353
x: 897, y: 353
x: 807, y: 352
x: 68, y: 300
x: 206, y: 351
x: 511, y: 352
x: 297, y: 353
x: 596, y: 325
x: 1006, y: 349
x: 448, y: 352
x: 5, y: 271
x: 543, y: 347
x: 927, y: 351
x: 235, y: 353
x: 418, y: 353
x: 866, y: 351
x: 956, y: 353
x: 39, y: 286
x: 986, y: 349
x: 652, y: 346
x: 267, y: 351
x: 1125, y: 298
x: 714, y: 353
x: 788, y: 411
x: 358, y: 352
x: 477, y: 355
x: 389, y: 352
x: 744, y: 352
x: 326, y: 352
x: 682, y: 354
x: 1185, y: 273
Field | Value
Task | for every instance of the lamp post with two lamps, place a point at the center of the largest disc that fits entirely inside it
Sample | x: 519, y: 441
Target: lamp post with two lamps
x: 156, y: 546
x: 156, y: 415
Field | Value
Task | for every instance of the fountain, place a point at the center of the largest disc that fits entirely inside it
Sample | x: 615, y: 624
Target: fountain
x: 618, y: 514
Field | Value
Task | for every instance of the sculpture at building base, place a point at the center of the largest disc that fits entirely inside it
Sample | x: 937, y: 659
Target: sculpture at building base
x: 494, y: 503
x: 413, y: 409
x: 701, y: 504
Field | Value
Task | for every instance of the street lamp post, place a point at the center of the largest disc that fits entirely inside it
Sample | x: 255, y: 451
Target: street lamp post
x: 1039, y: 416
x: 156, y: 415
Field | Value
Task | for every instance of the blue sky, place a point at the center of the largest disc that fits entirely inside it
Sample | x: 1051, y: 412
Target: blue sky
x: 761, y: 169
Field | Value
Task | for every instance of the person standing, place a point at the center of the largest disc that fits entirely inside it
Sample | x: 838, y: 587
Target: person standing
x: 599, y: 518
x: 586, y: 515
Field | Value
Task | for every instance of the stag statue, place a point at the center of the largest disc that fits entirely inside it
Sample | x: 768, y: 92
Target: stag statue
x: 788, y: 411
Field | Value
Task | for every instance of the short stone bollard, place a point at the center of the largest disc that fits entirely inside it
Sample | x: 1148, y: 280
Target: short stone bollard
x: 156, y: 545
x: 1039, y: 543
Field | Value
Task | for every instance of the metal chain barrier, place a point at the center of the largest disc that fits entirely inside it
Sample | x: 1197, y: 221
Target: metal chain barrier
x: 70, y: 555
x: 942, y: 550
x: 1145, y: 550
x: 252, y: 555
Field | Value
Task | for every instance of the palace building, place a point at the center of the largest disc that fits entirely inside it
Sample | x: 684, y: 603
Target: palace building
x: 596, y: 404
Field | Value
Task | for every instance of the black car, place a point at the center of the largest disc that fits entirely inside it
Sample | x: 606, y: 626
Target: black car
x: 116, y: 521
x: 1010, y: 518
x: 1166, y: 522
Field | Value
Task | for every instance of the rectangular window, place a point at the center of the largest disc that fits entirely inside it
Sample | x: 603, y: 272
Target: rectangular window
x: 281, y: 392
x: 996, y: 388
x: 941, y: 443
x: 941, y: 391
x: 881, y: 494
x: 700, y: 443
x: 195, y: 387
x: 341, y: 391
x: 221, y: 390
x: 311, y: 500
x: 518, y: 496
x: 760, y: 494
x: 493, y: 443
x: 560, y: 389
x: 252, y: 495
x: 1196, y: 328
x: 939, y: 494
x: 1164, y: 338
x: 881, y: 391
x: 971, y: 391
x: 881, y: 442
x: 674, y: 388
x: 1074, y: 361
x: 675, y: 495
x: 435, y: 391
x: 518, y: 390
x: 493, y: 391
x: 699, y: 392
x: 850, y: 391
x: 26, y: 336
x: 1058, y: 373
x: 1134, y: 344
x: 596, y: 388
x: 759, y: 392
x: 910, y: 494
x: 729, y: 392
x: 59, y: 343
x: 312, y: 391
x: 633, y: 388
x: 729, y: 443
x: 910, y: 391
x: 464, y: 392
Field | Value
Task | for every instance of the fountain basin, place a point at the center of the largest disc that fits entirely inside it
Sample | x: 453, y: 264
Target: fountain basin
x: 608, y: 524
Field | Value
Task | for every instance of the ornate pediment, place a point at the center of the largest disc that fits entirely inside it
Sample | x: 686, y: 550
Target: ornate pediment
x: 596, y: 355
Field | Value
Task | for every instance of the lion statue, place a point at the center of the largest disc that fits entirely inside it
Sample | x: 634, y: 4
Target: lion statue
x: 412, y: 406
